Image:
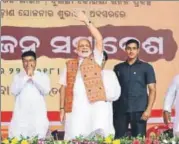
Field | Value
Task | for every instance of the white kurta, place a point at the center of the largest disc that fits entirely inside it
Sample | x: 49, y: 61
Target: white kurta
x: 85, y: 116
x: 172, y: 97
x: 30, y: 113
x: 102, y: 112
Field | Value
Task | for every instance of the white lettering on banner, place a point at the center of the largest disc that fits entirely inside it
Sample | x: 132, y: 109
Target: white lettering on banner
x: 124, y: 40
x: 63, y: 48
x: 10, y: 46
x: 33, y: 46
x: 151, y: 49
x: 112, y: 47
x: 64, y: 44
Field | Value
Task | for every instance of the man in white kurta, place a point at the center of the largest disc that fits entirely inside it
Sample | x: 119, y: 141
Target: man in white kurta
x: 30, y: 114
x: 87, y: 117
x: 172, y: 97
x: 102, y: 111
x: 79, y: 121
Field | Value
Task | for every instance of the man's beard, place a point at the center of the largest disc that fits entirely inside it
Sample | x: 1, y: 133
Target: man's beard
x: 84, y: 54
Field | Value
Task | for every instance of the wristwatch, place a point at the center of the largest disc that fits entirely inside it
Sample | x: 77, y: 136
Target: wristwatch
x: 89, y: 22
